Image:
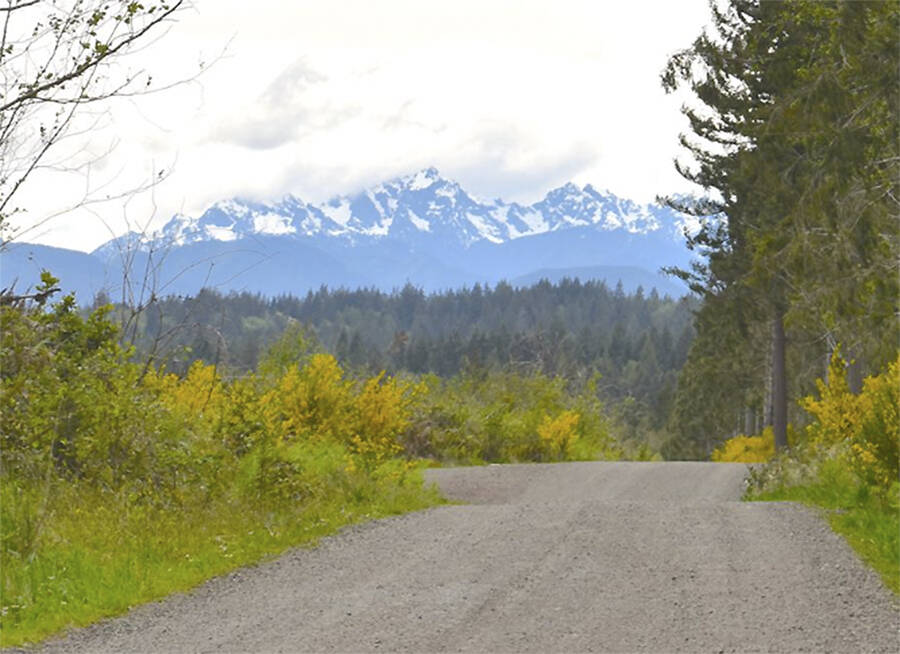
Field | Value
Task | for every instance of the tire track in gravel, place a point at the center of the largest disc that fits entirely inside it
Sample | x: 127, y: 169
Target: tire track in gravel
x: 592, y: 557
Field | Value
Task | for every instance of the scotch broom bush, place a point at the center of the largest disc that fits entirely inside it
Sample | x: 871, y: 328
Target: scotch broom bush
x: 867, y: 424
x: 746, y: 449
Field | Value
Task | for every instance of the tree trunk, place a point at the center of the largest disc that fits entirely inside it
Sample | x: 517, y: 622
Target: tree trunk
x: 779, y: 382
x: 767, y: 395
x: 854, y: 371
x: 749, y: 427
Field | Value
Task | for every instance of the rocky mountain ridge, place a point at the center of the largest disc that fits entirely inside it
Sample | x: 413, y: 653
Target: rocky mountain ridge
x: 423, y: 204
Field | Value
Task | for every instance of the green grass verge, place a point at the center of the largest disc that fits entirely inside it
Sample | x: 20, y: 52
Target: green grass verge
x: 869, y: 521
x: 100, y: 555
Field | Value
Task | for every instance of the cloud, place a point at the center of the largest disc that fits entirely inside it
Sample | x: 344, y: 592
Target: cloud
x: 262, y: 132
x: 289, y: 107
x: 496, y: 160
x: 507, y: 160
x: 292, y: 83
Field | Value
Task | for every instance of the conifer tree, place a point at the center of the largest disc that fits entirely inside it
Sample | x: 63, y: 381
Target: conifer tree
x: 795, y: 141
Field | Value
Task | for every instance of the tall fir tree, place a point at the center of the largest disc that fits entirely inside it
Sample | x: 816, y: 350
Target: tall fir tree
x: 795, y: 140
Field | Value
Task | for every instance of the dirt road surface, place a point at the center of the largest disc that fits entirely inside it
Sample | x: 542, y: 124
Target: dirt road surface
x: 575, y: 557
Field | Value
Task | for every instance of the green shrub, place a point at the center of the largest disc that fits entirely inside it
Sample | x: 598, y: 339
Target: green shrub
x: 503, y: 417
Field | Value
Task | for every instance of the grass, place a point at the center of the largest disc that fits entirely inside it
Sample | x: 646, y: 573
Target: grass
x: 867, y: 519
x: 99, y: 555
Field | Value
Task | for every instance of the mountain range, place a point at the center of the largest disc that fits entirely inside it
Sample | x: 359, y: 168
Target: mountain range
x: 421, y: 229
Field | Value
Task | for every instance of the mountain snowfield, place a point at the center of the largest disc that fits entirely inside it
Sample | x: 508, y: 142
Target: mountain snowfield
x: 423, y: 203
x: 421, y: 229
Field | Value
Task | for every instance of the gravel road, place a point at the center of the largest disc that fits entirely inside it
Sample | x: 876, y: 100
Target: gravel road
x: 574, y: 557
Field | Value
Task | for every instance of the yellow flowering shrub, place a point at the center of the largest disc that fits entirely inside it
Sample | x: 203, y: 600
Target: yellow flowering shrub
x: 243, y: 420
x: 312, y: 402
x: 560, y: 433
x: 838, y: 412
x: 868, y: 423
x: 316, y: 402
x: 195, y: 404
x: 161, y: 383
x: 746, y: 449
x: 199, y: 394
x: 382, y: 410
x: 876, y: 441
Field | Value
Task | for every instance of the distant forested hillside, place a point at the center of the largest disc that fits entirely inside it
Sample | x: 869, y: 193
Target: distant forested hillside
x: 637, y: 343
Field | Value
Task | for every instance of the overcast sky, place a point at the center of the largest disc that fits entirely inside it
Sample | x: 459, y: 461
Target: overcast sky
x: 510, y: 99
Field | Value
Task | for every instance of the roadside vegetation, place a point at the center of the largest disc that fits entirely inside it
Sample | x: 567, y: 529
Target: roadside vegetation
x: 121, y: 482
x: 845, y: 462
x: 637, y: 342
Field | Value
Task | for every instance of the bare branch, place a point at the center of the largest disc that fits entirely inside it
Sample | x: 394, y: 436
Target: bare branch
x: 92, y: 63
x: 21, y: 5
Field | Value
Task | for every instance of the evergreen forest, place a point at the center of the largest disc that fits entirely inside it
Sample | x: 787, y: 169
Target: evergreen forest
x: 632, y: 345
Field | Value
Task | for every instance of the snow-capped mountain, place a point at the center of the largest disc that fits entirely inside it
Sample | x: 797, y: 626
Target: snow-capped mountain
x: 422, y: 204
x: 420, y: 228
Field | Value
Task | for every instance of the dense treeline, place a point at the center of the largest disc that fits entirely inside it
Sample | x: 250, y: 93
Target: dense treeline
x: 795, y: 138
x: 636, y: 343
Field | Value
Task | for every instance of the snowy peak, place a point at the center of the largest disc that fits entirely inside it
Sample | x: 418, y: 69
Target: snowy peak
x: 423, y: 205
x: 573, y: 206
x: 422, y: 179
x: 234, y: 219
